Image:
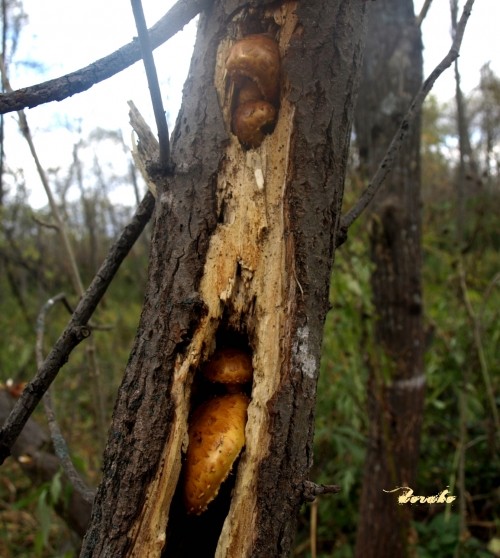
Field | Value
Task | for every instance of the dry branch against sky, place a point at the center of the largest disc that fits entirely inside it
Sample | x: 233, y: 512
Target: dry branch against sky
x: 64, y: 38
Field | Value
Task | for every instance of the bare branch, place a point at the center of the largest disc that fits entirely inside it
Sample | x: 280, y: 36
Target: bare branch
x: 386, y: 164
x: 81, y: 80
x: 154, y: 86
x: 60, y: 446
x: 44, y: 224
x: 310, y: 490
x: 423, y: 12
x: 76, y: 330
x: 69, y: 253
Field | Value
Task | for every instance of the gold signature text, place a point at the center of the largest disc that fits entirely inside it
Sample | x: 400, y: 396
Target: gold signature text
x: 407, y: 497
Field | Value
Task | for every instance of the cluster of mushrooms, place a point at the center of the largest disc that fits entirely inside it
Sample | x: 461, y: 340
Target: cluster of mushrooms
x: 217, y: 429
x: 253, y: 65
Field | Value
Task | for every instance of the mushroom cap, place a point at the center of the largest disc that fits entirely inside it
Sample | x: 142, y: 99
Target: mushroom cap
x: 256, y: 57
x: 216, y: 437
x: 229, y: 366
x: 252, y: 121
x: 248, y: 91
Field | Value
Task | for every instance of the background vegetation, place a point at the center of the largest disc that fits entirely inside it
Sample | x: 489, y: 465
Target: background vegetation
x: 462, y: 305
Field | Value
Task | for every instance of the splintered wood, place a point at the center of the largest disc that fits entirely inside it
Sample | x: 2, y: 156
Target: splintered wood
x: 247, y: 281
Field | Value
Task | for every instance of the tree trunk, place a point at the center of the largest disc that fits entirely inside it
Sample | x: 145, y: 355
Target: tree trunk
x: 392, y: 75
x: 242, y: 249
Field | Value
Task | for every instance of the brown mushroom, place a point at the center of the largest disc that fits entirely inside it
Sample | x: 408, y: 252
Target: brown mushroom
x: 256, y: 57
x: 252, y: 121
x: 229, y: 366
x: 253, y: 65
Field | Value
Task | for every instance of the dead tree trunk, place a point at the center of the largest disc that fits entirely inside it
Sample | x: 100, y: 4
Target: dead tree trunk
x: 392, y: 75
x: 242, y: 249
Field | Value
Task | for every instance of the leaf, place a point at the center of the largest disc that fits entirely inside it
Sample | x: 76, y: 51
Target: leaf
x: 43, y: 515
x: 56, y: 488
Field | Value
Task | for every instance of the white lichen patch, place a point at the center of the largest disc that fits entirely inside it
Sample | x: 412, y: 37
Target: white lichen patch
x: 302, y: 355
x: 415, y: 383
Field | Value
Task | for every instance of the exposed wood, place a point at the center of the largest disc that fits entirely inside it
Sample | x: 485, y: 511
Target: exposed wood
x: 242, y: 250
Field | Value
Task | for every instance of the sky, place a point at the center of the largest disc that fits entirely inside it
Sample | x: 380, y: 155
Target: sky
x: 64, y: 36
x: 481, y: 43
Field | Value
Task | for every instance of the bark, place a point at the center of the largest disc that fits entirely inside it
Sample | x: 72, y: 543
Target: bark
x: 392, y: 75
x: 242, y: 249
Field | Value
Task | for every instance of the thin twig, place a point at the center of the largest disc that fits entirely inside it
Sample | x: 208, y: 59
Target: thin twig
x: 58, y: 441
x: 76, y: 330
x: 462, y: 444
x: 423, y: 12
x: 61, y: 228
x: 313, y: 529
x: 487, y: 293
x: 61, y: 449
x: 44, y: 224
x: 154, y: 86
x: 81, y: 80
x: 386, y: 164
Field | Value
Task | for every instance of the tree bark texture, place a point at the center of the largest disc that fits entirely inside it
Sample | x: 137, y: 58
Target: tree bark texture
x: 392, y: 75
x: 242, y: 249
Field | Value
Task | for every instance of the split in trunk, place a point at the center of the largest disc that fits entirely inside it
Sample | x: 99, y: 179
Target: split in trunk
x: 242, y: 250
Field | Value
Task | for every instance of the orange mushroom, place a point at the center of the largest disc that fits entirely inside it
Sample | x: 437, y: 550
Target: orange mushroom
x: 216, y: 437
x: 229, y: 366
